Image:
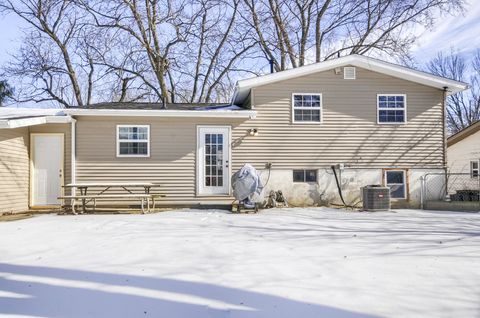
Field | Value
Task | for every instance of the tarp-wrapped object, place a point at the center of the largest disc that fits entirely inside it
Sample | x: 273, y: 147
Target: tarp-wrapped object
x: 246, y: 182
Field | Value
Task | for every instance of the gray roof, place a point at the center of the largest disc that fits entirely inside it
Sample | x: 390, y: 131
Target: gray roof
x: 156, y: 106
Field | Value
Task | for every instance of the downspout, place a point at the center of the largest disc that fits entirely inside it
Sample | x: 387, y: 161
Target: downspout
x: 73, y: 158
x: 339, y: 188
x: 444, y: 138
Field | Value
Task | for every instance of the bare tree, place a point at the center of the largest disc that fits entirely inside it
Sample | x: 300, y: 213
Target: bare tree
x: 215, y: 51
x: 294, y: 32
x: 463, y: 109
x: 155, y: 26
x: 55, y: 24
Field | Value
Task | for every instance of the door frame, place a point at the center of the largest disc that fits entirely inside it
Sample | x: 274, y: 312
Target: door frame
x: 31, y: 174
x: 199, y: 160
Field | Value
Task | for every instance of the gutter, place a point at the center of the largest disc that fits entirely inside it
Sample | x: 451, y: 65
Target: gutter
x: 249, y: 114
x: 73, y: 158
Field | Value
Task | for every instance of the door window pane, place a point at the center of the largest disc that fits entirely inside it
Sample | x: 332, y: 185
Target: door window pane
x: 214, y: 160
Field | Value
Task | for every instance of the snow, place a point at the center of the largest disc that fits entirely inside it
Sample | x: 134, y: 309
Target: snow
x: 12, y: 112
x: 314, y: 262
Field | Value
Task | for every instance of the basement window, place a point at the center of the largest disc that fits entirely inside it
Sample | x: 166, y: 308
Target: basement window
x: 391, y: 108
x: 396, y: 181
x: 133, y: 140
x: 307, y: 108
x: 304, y: 175
x: 474, y: 169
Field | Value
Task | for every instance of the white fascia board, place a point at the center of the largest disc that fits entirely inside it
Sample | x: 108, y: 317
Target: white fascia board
x: 164, y: 113
x: 33, y: 121
x: 58, y: 119
x: 243, y: 86
x: 411, y: 75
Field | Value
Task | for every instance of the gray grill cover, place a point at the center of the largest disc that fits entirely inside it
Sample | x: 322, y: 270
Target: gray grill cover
x: 246, y: 182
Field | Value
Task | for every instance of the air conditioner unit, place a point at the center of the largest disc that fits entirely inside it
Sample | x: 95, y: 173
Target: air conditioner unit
x: 376, y: 198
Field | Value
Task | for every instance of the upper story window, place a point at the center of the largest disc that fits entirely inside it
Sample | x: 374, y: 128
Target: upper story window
x: 391, y: 108
x: 133, y: 140
x: 474, y: 169
x: 307, y: 108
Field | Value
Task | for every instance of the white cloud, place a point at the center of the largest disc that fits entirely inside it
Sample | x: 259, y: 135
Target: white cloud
x: 460, y: 32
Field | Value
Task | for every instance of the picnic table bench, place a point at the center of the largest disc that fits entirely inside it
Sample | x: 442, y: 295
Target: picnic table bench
x: 145, y: 198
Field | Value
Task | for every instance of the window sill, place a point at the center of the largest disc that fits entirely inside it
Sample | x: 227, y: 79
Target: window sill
x: 307, y: 122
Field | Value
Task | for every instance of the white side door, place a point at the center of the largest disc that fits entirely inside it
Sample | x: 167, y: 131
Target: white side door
x: 47, y: 169
x: 213, y: 160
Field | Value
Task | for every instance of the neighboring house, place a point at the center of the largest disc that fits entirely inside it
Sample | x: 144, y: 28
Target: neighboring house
x: 379, y: 123
x: 463, y: 152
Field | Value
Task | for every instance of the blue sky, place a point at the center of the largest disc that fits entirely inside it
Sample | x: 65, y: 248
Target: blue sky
x: 460, y: 32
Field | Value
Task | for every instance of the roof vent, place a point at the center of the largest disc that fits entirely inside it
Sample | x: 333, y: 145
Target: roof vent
x: 349, y: 72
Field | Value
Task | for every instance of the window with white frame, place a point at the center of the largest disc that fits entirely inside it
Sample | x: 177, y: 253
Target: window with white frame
x: 396, y: 181
x: 392, y: 108
x: 307, y: 108
x: 474, y: 169
x: 133, y: 140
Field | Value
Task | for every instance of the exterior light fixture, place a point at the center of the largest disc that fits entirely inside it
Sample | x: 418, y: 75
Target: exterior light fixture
x: 253, y: 132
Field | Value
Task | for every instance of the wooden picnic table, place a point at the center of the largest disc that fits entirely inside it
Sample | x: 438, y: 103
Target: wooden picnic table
x: 127, y: 186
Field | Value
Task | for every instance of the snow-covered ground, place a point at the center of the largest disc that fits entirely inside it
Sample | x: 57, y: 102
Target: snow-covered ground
x: 297, y: 263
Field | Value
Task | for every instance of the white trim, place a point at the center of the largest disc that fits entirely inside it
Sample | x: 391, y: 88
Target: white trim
x: 164, y: 113
x: 350, y: 68
x: 73, y: 154
x: 200, y: 164
x: 405, y: 120
x: 472, y: 169
x: 33, y: 121
x: 405, y: 188
x: 243, y: 87
x: 136, y: 140
x: 292, y: 108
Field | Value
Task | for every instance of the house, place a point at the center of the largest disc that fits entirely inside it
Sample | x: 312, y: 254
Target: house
x: 463, y: 151
x: 375, y: 122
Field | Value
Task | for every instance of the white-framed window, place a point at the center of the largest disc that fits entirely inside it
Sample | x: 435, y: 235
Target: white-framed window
x: 391, y: 108
x: 474, y: 168
x: 396, y: 181
x: 349, y: 72
x: 133, y: 140
x: 304, y: 175
x: 306, y: 108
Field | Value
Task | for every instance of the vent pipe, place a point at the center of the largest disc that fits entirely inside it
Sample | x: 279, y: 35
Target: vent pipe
x: 271, y: 65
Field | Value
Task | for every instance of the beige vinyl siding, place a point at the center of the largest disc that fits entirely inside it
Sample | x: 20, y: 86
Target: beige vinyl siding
x: 349, y: 133
x: 172, y: 161
x: 14, y: 170
x: 461, y: 153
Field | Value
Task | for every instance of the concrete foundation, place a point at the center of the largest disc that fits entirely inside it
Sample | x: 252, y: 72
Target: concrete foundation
x: 325, y: 192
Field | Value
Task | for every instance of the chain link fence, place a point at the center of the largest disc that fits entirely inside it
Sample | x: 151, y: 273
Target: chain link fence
x: 450, y: 191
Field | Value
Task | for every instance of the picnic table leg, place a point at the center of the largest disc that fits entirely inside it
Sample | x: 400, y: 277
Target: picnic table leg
x: 72, y: 204
x: 83, y: 191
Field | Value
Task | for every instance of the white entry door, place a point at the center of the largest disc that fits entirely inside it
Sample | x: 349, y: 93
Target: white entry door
x: 47, y: 168
x: 213, y: 160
